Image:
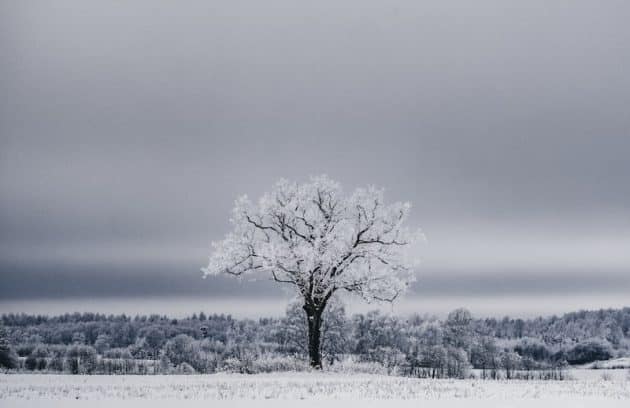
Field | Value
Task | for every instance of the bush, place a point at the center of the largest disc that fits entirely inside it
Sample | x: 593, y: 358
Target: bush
x: 352, y: 366
x: 511, y: 362
x: 269, y: 364
x: 533, y: 349
x: 30, y: 363
x: 588, y: 352
x: 56, y: 363
x: 185, y: 368
x: 232, y: 365
x: 8, y: 358
x: 25, y: 350
x: 457, y: 363
x: 180, y: 349
x: 81, y: 359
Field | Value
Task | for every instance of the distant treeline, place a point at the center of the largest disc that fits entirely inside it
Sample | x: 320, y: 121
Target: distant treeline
x: 372, y: 342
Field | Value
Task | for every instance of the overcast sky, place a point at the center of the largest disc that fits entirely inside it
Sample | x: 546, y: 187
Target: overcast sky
x: 127, y: 129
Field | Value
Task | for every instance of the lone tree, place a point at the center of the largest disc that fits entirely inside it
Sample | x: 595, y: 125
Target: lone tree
x: 321, y: 241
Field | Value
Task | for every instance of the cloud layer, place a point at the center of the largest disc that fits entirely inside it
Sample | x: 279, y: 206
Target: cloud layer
x: 126, y: 135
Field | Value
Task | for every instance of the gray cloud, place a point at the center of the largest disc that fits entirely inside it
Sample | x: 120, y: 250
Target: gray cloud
x: 123, y: 281
x: 126, y: 131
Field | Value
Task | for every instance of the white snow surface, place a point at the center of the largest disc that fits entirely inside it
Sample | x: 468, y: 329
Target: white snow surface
x: 302, y: 390
x: 617, y: 363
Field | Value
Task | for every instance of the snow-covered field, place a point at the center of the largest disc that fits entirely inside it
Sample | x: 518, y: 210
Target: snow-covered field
x: 617, y: 363
x: 31, y: 390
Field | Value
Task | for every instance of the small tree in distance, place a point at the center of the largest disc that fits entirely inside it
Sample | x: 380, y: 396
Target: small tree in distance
x: 8, y: 357
x: 321, y: 241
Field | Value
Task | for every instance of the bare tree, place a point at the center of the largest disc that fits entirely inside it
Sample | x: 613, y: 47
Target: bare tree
x: 321, y: 241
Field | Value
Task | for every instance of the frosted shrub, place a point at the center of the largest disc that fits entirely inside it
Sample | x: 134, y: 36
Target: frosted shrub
x: 269, y: 364
x: 185, y: 368
x: 206, y: 362
x: 231, y: 365
x: 350, y: 365
x: 117, y: 366
x: 81, y: 359
x: 457, y: 365
x: 510, y: 362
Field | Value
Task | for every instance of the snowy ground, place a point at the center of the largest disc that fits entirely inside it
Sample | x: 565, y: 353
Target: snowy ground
x: 32, y: 390
x: 617, y: 363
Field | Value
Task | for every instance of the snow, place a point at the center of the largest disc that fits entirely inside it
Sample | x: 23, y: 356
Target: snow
x: 30, y: 390
x: 617, y: 363
x: 600, y: 374
x: 445, y: 403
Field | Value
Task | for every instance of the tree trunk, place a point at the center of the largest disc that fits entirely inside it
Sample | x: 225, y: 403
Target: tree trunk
x: 314, y: 320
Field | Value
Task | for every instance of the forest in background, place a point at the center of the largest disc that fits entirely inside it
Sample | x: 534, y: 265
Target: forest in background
x: 418, y: 346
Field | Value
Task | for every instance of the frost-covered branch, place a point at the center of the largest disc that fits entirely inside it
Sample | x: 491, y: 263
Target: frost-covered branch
x: 320, y: 240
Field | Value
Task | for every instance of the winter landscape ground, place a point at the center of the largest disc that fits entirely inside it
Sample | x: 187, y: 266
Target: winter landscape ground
x: 586, y: 388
